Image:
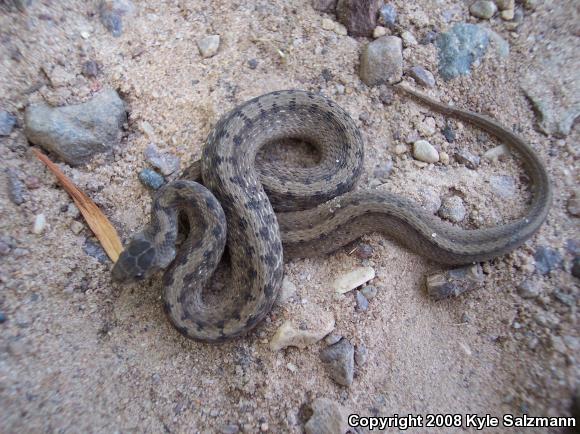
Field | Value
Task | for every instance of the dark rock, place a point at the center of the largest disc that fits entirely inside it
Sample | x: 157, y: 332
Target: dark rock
x: 151, y: 179
x: 326, y: 74
x: 362, y: 304
x: 547, y: 260
x: 90, y: 69
x: 111, y: 13
x: 94, y: 249
x: 422, y: 76
x: 253, y: 63
x: 339, y: 362
x: 463, y: 156
x: 388, y: 15
x: 448, y: 133
x: 576, y: 267
x: 459, y: 48
x: 2, y: 318
x: 452, y: 283
x: 16, y: 187
x: 429, y: 38
x: 7, y: 123
x: 358, y: 16
x: 328, y: 417
x: 381, y: 61
x: 77, y: 132
x: 324, y: 5
x: 364, y: 251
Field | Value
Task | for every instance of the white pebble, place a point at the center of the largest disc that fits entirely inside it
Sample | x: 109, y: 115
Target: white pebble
x: 39, y: 224
x: 379, y: 31
x: 353, y: 279
x: 424, y: 151
x: 327, y: 24
x: 208, y: 46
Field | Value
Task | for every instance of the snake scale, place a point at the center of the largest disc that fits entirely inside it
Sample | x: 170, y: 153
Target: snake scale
x: 268, y: 213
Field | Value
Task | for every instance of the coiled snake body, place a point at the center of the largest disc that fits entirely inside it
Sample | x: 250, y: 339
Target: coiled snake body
x: 316, y: 212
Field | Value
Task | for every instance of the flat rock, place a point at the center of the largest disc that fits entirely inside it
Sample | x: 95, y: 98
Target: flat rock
x: 328, y: 417
x: 353, y: 279
x: 381, y: 61
x: 460, y: 48
x: 358, y: 16
x: 112, y: 13
x: 76, y: 132
x: 422, y: 76
x: 208, y: 46
x: 338, y: 361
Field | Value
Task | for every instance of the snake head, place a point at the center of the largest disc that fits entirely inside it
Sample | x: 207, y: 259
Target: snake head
x: 136, y: 262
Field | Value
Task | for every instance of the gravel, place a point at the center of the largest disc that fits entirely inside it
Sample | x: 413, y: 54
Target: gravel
x: 338, y: 361
x: 381, y: 61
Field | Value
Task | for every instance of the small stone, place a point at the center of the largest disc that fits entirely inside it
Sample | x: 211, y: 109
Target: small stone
x: 166, y: 163
x: 328, y: 24
x: 16, y: 189
x: 209, y: 46
x: 507, y: 15
x: 369, y: 292
x: 340, y: 30
x: 2, y: 318
x: 95, y: 250
x: 292, y: 367
x: 364, y: 251
x: 427, y: 127
x: 496, y: 153
x: 324, y: 5
x: 147, y: 128
x: 531, y: 4
x: 388, y: 15
x: 381, y: 61
x: 58, y: 76
x: 359, y: 16
x: 230, y: 429
x: 452, y: 283
x: 424, y: 151
x: 7, y: 123
x: 463, y: 156
x: 408, y: 39
x: 76, y: 132
x: 85, y: 34
x: 483, y: 9
x: 386, y: 95
x: 315, y: 323
x: 576, y: 267
x: 253, y: 63
x: 382, y: 172
x: 362, y: 304
x: 332, y: 339
x: 460, y: 48
x: 328, y: 417
x: 503, y: 185
x: 529, y: 289
x: 90, y: 69
x: 430, y: 200
x: 444, y: 157
x: 32, y: 182
x: 448, y: 133
x: 353, y: 279
x: 379, y: 31
x: 400, y: 149
x: 39, y: 224
x: 360, y: 355
x: 466, y: 318
x: 287, y: 291
x: 573, y: 204
x: 111, y: 13
x: 429, y: 37
x: 547, y: 260
x: 503, y: 5
x: 453, y: 209
x: 151, y: 179
x: 422, y: 76
x: 72, y: 211
x: 338, y: 361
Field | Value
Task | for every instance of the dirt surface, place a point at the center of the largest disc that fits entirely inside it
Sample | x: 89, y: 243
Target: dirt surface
x: 78, y: 354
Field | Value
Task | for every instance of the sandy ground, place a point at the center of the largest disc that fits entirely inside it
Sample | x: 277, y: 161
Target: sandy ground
x: 80, y: 355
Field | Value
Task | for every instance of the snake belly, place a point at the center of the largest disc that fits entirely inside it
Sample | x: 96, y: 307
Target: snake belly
x: 316, y: 212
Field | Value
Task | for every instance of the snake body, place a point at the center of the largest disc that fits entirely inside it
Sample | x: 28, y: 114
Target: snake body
x: 264, y: 211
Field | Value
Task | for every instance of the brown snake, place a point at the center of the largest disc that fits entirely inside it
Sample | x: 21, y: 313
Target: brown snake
x: 316, y: 212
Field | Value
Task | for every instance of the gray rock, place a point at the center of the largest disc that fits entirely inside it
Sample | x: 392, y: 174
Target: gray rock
x: 369, y: 292
x: 381, y: 61
x: 77, y: 132
x: 388, y: 15
x: 339, y: 362
x: 425, y: 151
x: 360, y: 355
x: 547, y: 259
x: 430, y: 200
x: 151, y: 179
x: 483, y: 9
x: 166, y: 163
x: 90, y: 69
x: 576, y: 267
x: 2, y: 318
x: 16, y: 188
x: 364, y: 251
x: 422, y: 76
x: 208, y: 46
x: 448, y: 133
x: 253, y: 63
x: 460, y: 48
x: 452, y: 283
x: 328, y: 417
x: 358, y: 16
x: 503, y: 185
x: 230, y: 429
x: 94, y: 249
x: 529, y: 289
x: 463, y: 156
x: 324, y: 5
x: 453, y: 209
x: 332, y: 339
x: 7, y: 123
x: 111, y: 13
x: 362, y: 304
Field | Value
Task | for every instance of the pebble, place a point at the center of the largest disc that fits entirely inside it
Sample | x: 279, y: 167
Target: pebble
x: 483, y: 9
x: 400, y: 149
x: 429, y: 200
x: 76, y: 227
x: 340, y: 30
x: 230, y: 429
x: 379, y: 31
x: 362, y: 304
x: 386, y: 95
x: 338, y: 361
x: 95, y: 250
x: 429, y: 37
x: 328, y: 417
x: 39, y: 224
x: 424, y: 151
x: 381, y: 61
x: 427, y: 127
x: 253, y: 63
x: 208, y: 46
x: 573, y: 204
x: 165, y: 162
x: 453, y: 282
x: 90, y: 69
x: 328, y: 24
x: 576, y: 267
x: 16, y: 187
x: 503, y: 185
x: 463, y: 156
x: 388, y: 15
x: 358, y: 16
x: 324, y: 5
x: 287, y: 291
x: 422, y: 76
x: 547, y: 259
x: 409, y: 39
x: 448, y: 133
x: 529, y: 289
x: 353, y: 279
x: 505, y: 4
x: 459, y: 48
x: 76, y: 132
x: 7, y: 123
x: 507, y: 15
x: 151, y: 179
x: 369, y: 292
x: 315, y: 323
x: 444, y: 157
x: 383, y: 171
x: 453, y: 209
x: 111, y: 13
x: 496, y: 153
x: 364, y: 251
x: 360, y: 355
x: 2, y: 318
x: 332, y: 339
x: 72, y: 211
